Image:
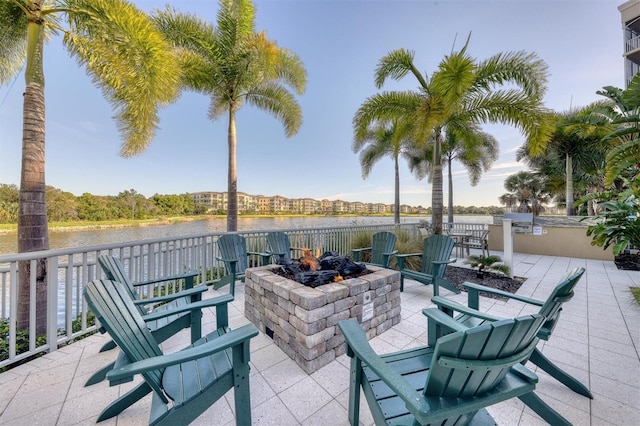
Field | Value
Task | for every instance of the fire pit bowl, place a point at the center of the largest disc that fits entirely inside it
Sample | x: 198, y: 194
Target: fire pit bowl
x: 302, y: 320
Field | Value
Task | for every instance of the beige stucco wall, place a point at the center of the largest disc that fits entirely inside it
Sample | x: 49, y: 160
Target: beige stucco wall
x: 555, y: 241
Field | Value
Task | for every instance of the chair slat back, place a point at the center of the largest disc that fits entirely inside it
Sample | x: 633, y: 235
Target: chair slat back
x: 234, y: 246
x: 438, y: 248
x: 279, y: 243
x: 114, y: 270
x: 472, y: 362
x: 112, y: 305
x: 382, y: 242
x: 562, y: 293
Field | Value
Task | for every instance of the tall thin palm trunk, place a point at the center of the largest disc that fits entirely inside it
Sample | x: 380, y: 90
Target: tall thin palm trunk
x: 232, y: 191
x: 450, y: 195
x: 437, y: 196
x: 396, y: 199
x: 569, y: 185
x: 33, y: 233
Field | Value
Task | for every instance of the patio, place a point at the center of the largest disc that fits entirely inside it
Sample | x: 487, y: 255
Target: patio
x: 597, y: 340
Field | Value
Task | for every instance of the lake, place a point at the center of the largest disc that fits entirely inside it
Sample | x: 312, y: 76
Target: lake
x: 95, y: 237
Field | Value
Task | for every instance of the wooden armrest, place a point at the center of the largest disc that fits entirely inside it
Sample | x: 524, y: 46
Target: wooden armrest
x: 194, y: 291
x: 358, y: 347
x: 361, y: 249
x: 229, y: 339
x: 403, y: 255
x: 227, y: 260
x: 436, y: 315
x: 480, y: 288
x: 190, y: 307
x: 443, y: 262
x: 162, y: 279
x: 448, y: 306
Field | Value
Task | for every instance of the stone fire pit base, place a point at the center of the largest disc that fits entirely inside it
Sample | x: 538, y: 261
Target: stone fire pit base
x: 303, y: 321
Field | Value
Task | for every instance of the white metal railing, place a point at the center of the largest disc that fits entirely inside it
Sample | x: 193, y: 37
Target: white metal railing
x: 69, y: 269
x: 632, y: 44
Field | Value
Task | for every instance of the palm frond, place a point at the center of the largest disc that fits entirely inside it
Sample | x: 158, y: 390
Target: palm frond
x: 279, y: 102
x: 622, y: 157
x: 129, y: 60
x: 13, y: 40
x: 523, y: 69
x: 397, y: 64
x: 384, y: 106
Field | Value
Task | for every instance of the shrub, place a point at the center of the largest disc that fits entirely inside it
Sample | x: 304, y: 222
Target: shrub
x: 488, y: 263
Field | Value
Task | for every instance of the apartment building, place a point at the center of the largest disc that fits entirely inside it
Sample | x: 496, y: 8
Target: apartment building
x: 630, y: 17
x: 279, y: 204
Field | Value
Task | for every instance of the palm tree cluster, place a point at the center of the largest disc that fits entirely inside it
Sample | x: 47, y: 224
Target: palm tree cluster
x: 591, y: 155
x: 141, y: 63
x: 440, y: 120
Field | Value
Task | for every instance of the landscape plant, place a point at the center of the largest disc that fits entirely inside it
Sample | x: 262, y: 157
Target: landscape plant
x: 489, y: 263
x: 617, y: 223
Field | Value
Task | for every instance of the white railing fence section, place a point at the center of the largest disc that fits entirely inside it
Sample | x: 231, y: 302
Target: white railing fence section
x: 69, y: 269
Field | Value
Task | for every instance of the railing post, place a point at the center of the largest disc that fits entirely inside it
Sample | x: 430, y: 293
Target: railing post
x: 52, y: 303
x: 508, y: 245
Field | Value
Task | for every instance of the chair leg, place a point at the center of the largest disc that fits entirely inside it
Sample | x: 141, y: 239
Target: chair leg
x: 99, y: 375
x: 125, y: 401
x: 108, y: 346
x: 542, y: 409
x: 196, y: 325
x: 354, y: 391
x: 554, y: 371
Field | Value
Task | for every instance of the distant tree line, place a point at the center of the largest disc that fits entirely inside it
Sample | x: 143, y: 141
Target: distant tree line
x: 63, y: 206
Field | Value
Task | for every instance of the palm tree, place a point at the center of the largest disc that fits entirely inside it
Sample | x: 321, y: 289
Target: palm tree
x: 127, y: 59
x: 621, y: 121
x: 381, y: 140
x: 232, y: 64
x: 574, y: 146
x: 529, y: 191
x: 505, y: 88
x: 477, y: 152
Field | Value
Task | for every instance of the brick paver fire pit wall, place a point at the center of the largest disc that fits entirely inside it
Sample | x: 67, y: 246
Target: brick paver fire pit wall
x: 303, y: 321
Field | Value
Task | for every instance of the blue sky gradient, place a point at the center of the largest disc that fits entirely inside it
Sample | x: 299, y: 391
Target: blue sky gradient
x: 340, y: 43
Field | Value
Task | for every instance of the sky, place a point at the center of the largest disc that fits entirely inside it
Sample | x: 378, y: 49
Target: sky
x: 340, y: 43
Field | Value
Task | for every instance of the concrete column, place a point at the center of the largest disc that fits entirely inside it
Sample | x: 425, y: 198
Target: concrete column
x: 508, y: 245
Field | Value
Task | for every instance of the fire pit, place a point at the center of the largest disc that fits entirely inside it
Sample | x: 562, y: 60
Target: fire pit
x: 316, y: 271
x: 302, y: 320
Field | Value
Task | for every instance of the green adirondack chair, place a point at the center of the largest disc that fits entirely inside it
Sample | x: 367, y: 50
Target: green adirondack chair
x: 451, y: 382
x: 550, y: 309
x: 184, y: 383
x: 382, y: 248
x: 279, y: 246
x: 234, y: 254
x: 166, y: 326
x: 435, y: 255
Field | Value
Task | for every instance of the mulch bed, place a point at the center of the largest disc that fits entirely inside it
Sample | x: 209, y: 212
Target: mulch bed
x: 494, y: 280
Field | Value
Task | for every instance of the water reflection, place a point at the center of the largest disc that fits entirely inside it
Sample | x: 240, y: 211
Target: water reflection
x: 94, y: 237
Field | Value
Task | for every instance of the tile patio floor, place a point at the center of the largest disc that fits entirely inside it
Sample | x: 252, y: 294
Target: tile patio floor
x: 597, y: 340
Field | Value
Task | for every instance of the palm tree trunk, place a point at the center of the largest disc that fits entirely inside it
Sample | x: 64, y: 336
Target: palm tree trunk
x: 232, y: 191
x: 33, y: 234
x: 450, y: 195
x: 569, y: 183
x: 436, y: 185
x: 396, y: 198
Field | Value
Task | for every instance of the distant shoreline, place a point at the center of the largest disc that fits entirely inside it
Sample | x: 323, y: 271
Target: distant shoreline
x: 76, y: 226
